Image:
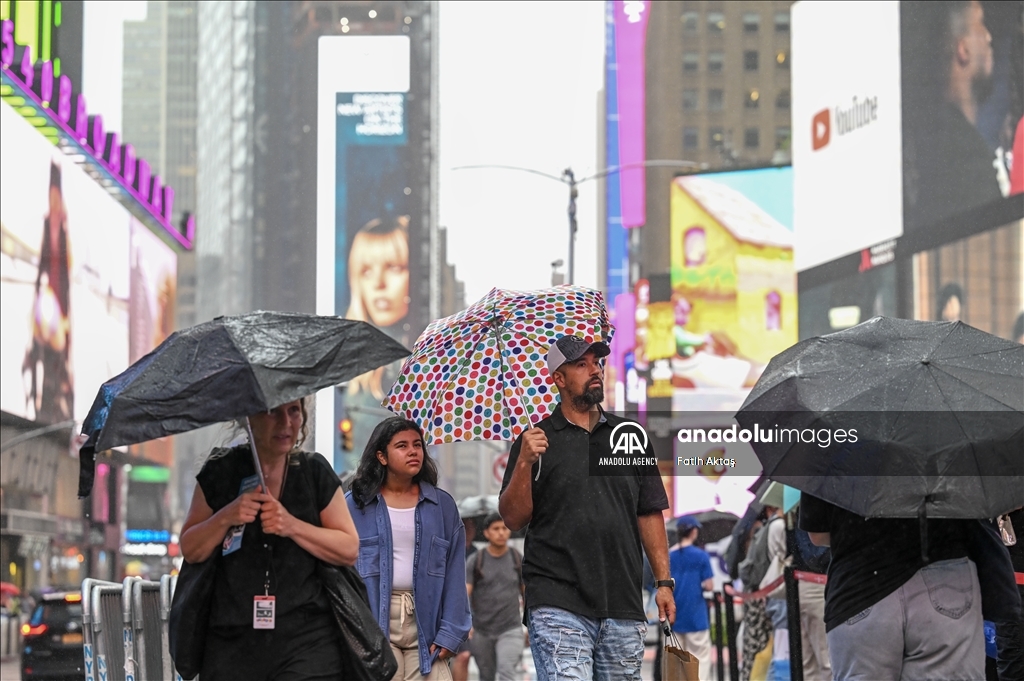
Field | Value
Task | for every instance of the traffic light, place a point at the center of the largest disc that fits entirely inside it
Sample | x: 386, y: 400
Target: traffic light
x: 345, y: 426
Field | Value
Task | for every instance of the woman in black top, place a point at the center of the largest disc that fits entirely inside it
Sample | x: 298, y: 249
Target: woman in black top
x: 268, y: 619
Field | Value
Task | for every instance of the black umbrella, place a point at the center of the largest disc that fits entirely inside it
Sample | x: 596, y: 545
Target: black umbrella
x: 715, y: 526
x: 896, y: 418
x: 227, y: 369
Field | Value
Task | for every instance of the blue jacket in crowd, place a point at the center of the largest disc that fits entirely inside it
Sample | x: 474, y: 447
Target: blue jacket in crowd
x: 439, y: 568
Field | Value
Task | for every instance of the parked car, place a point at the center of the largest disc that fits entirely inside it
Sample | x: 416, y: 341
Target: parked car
x: 52, y: 639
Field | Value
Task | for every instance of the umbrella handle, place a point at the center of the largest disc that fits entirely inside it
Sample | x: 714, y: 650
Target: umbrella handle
x: 255, y: 457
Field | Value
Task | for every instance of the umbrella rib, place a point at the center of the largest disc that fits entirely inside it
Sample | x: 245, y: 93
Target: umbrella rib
x: 939, y: 368
x: 248, y: 366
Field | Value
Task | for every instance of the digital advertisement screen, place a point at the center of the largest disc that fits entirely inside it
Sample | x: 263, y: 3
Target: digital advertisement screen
x: 64, y: 282
x: 846, y: 119
x: 963, y: 102
x: 86, y: 288
x: 370, y: 224
x: 153, y: 285
x: 910, y: 144
x: 733, y: 299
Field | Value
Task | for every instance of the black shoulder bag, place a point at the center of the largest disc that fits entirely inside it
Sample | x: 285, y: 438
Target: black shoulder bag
x: 365, y: 650
x: 190, y: 614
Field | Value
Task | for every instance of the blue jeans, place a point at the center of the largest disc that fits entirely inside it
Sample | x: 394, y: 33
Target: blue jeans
x: 569, y: 647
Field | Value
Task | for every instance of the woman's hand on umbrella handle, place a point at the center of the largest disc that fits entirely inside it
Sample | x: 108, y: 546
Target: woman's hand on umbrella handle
x: 535, y: 443
x: 274, y: 516
x: 244, y: 509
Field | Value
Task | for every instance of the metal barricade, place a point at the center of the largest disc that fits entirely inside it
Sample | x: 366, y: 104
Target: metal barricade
x: 102, y: 644
x: 167, y: 584
x: 147, y: 626
x: 126, y: 630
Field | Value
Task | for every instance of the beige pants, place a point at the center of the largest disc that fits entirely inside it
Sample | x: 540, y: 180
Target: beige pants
x: 698, y: 644
x: 405, y: 642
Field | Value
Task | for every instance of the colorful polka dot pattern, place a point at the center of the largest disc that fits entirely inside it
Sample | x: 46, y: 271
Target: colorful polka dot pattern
x: 482, y: 374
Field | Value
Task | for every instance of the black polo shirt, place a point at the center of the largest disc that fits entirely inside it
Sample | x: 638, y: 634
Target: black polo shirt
x: 583, y: 552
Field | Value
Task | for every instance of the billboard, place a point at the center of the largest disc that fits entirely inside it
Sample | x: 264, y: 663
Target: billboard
x: 910, y: 142
x: 65, y: 282
x: 85, y: 287
x: 846, y: 120
x: 733, y: 302
x: 371, y: 221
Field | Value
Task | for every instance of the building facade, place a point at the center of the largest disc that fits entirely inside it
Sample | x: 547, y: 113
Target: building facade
x: 718, y: 95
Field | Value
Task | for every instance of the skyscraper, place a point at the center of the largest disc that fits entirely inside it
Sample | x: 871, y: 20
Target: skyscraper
x: 718, y: 94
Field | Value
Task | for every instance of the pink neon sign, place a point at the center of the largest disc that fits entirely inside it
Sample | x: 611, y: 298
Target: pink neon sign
x: 133, y: 174
x: 630, y: 45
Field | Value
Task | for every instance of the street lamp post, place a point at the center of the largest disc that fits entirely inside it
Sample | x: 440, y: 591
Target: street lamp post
x: 568, y: 178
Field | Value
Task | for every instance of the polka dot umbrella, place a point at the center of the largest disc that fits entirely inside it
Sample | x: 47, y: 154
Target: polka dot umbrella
x: 482, y: 374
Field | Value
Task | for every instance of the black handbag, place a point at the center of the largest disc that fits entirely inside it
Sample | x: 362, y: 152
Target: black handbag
x: 365, y: 650
x: 366, y: 653
x: 190, y: 614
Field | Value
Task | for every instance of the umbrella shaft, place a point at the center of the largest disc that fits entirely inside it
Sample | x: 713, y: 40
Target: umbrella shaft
x: 255, y: 457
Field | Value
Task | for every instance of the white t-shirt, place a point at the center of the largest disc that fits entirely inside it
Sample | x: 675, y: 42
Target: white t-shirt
x: 403, y: 540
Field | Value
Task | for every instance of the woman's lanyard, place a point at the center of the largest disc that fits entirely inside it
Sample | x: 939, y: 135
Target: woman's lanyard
x: 265, y: 606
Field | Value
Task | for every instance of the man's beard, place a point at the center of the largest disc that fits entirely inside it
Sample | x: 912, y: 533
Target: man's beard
x: 981, y: 87
x: 588, y: 398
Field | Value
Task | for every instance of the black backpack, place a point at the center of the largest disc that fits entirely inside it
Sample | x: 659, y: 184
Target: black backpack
x: 754, y: 567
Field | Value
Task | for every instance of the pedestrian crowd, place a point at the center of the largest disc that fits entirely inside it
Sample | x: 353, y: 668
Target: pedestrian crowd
x: 893, y: 599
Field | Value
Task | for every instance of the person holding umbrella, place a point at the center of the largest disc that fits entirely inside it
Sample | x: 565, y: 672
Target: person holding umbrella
x: 582, y: 563
x: 268, y: 619
x: 919, y: 615
x: 411, y: 552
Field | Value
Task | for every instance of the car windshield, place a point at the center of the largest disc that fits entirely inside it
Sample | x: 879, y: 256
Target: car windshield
x: 56, y: 613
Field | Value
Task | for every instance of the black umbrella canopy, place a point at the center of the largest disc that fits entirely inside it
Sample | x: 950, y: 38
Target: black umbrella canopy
x: 937, y: 411
x: 226, y: 369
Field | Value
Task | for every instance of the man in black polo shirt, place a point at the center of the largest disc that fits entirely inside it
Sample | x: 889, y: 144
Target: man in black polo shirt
x: 582, y: 563
x: 891, y: 613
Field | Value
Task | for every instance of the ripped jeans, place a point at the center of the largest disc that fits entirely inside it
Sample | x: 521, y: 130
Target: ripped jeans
x: 569, y: 647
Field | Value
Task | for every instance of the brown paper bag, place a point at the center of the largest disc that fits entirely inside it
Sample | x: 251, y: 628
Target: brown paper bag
x: 676, y: 663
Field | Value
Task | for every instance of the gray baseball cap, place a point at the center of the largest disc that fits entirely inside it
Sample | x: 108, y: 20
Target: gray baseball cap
x: 571, y: 348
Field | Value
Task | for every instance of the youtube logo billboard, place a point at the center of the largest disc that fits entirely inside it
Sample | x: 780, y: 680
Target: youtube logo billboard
x: 847, y: 146
x: 821, y: 129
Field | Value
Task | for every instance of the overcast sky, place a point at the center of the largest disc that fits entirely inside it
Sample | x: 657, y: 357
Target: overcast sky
x: 519, y: 85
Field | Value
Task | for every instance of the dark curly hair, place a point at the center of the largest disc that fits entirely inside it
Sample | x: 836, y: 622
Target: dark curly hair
x: 371, y: 474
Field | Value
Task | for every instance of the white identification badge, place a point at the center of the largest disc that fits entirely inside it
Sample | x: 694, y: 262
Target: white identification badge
x: 263, y: 612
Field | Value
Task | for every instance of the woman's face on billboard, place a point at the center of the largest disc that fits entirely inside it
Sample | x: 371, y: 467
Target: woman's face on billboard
x: 384, y: 287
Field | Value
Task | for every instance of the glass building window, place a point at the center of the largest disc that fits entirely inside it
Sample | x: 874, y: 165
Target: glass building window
x: 782, y: 22
x: 716, y: 99
x: 691, y: 99
x: 782, y: 100
x: 716, y: 62
x: 691, y: 138
x: 750, y: 60
x: 751, y: 22
x: 753, y: 99
x: 716, y: 22
x: 716, y: 138
x: 751, y: 138
x: 782, y: 135
x: 690, y: 21
x: 691, y: 61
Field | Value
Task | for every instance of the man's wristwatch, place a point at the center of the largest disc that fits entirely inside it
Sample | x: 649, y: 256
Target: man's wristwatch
x: 670, y: 583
